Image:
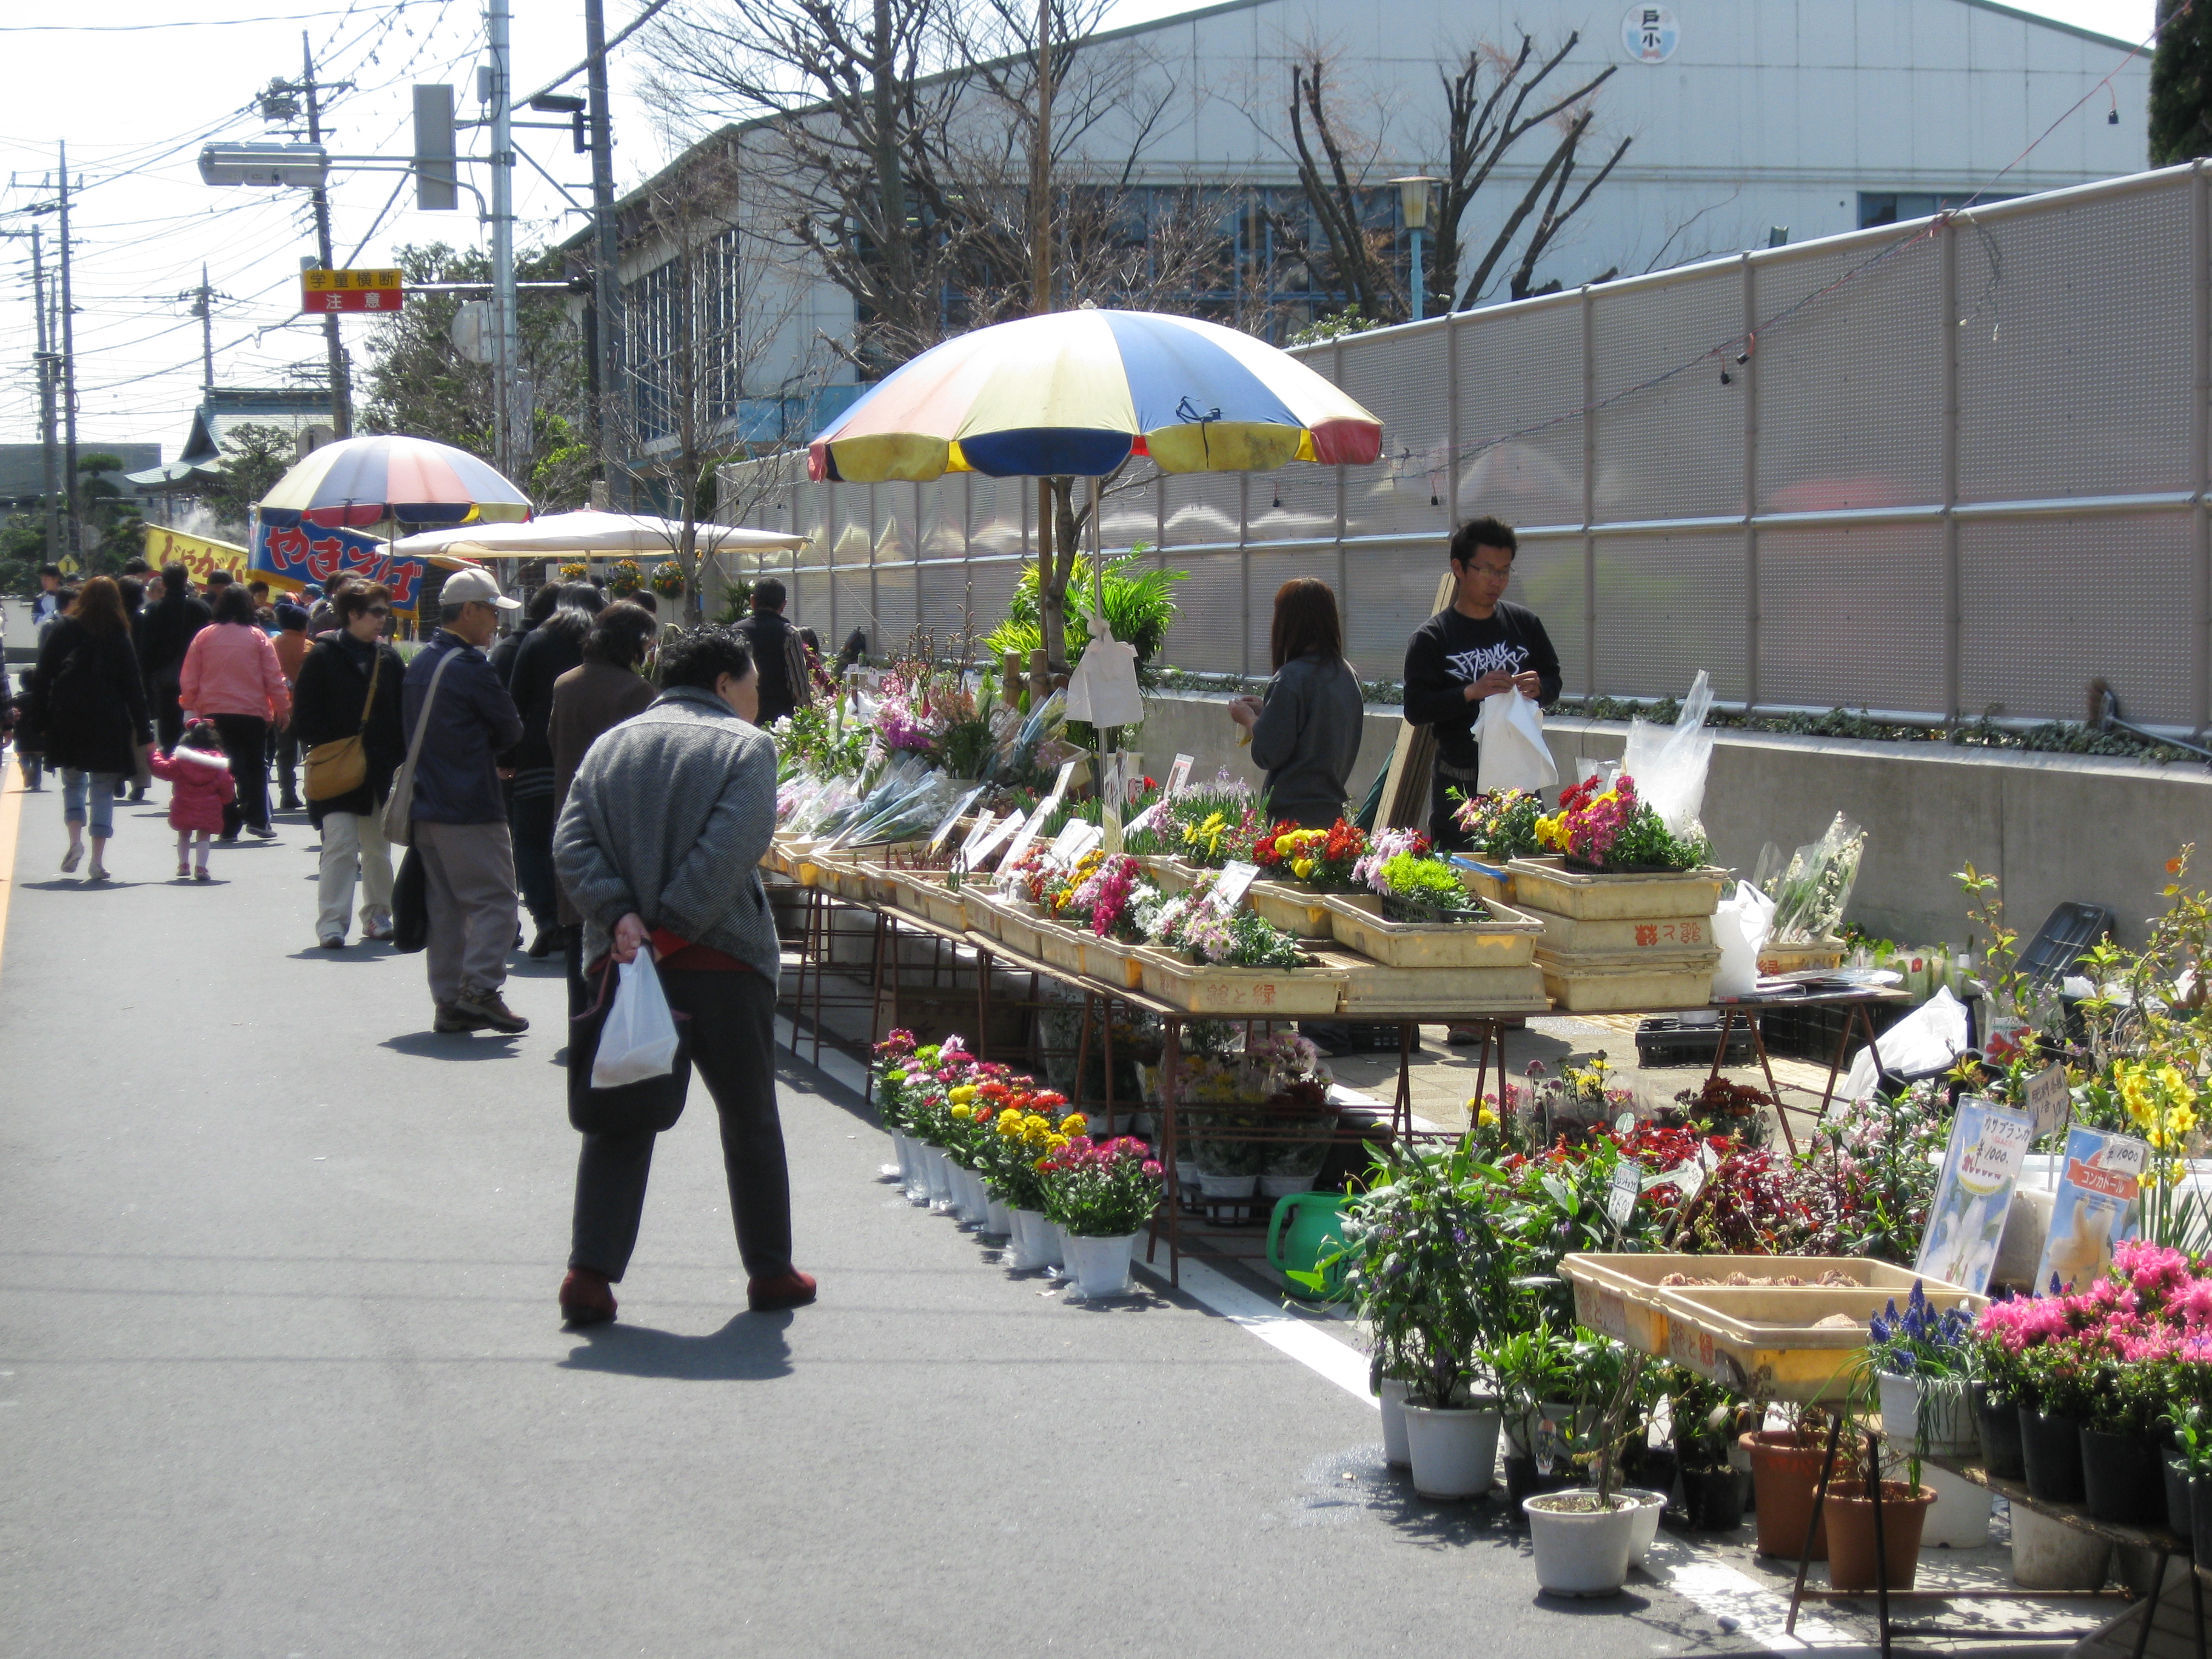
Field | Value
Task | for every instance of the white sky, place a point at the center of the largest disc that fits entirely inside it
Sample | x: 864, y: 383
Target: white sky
x: 136, y: 106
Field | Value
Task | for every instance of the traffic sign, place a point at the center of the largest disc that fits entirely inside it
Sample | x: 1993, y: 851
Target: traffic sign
x: 322, y: 291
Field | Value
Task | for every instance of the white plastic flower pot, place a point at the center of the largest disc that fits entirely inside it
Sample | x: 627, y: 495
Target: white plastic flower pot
x: 1951, y: 1430
x: 1392, y: 1394
x: 1028, y: 1250
x: 936, y: 1171
x: 1101, y: 1265
x: 1055, y: 1240
x: 975, y: 1202
x: 1959, y: 1519
x: 1649, y: 1505
x: 903, y: 1150
x: 999, y: 1220
x: 1453, y: 1451
x: 1581, y: 1550
x: 2048, y: 1554
x: 1227, y: 1186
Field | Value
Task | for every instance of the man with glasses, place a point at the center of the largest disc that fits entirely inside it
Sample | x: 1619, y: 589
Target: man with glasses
x: 459, y: 817
x: 1480, y: 648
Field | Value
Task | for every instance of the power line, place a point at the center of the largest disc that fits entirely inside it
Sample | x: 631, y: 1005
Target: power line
x: 176, y: 23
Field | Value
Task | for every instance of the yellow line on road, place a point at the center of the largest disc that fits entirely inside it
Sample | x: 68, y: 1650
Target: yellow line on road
x: 12, y: 813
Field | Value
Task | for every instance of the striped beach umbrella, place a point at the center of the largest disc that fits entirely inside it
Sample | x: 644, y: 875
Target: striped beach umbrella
x: 1079, y: 392
x: 412, y: 484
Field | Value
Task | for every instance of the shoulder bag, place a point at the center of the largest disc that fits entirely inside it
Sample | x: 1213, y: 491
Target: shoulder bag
x: 400, y: 811
x: 340, y: 767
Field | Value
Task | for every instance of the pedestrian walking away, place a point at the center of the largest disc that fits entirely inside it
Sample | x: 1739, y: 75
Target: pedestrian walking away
x: 658, y: 846
x: 1477, y: 647
x: 200, y: 787
x: 555, y: 646
x: 780, y: 659
x: 171, y: 624
x: 349, y: 693
x: 605, y: 690
x: 456, y: 817
x: 231, y: 676
x: 87, y: 707
x: 291, y: 643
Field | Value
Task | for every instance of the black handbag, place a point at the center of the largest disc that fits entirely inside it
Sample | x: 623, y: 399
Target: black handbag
x: 651, y: 1103
x: 411, y: 906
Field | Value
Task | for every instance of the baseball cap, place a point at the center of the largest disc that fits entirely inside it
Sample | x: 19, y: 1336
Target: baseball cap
x: 467, y: 586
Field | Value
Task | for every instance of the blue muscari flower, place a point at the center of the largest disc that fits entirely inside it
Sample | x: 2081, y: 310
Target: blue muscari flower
x: 1919, y: 1297
x: 2057, y: 1288
x: 1879, y: 1328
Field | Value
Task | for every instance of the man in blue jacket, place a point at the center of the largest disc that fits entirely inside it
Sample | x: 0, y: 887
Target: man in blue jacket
x: 460, y: 830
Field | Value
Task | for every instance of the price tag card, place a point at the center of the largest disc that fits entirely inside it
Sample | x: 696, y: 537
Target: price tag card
x: 1178, y: 775
x: 945, y: 824
x: 2049, y: 1101
x: 1228, y: 892
x: 1073, y: 841
x: 1627, y: 1187
x: 981, y: 840
x: 1625, y: 1125
x: 1059, y: 783
x: 1690, y: 1178
x: 1142, y: 820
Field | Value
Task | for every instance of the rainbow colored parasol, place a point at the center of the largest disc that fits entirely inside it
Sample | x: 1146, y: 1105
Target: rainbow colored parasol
x: 411, y: 483
x: 1079, y: 392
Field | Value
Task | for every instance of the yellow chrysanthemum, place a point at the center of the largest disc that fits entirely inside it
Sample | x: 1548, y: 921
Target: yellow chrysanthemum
x: 1302, y: 867
x: 1055, y: 1142
x: 963, y: 1113
x: 963, y: 1095
x: 1074, y: 1124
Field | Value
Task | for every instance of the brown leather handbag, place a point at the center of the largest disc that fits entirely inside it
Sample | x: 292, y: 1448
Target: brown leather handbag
x: 341, y: 766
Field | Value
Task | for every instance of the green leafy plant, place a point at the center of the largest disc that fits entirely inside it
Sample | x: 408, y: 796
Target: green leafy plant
x: 1140, y: 608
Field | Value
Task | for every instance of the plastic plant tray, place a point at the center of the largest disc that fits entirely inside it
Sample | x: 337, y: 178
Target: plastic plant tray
x: 1797, y: 958
x: 1371, y: 988
x: 1771, y: 1344
x: 1618, y: 1292
x: 1298, y: 911
x: 1625, y: 936
x: 1059, y: 945
x: 1483, y: 877
x: 1507, y: 939
x: 1207, y: 988
x: 1602, y: 984
x: 1548, y: 884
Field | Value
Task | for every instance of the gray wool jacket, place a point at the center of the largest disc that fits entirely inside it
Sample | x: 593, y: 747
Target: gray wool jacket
x: 668, y: 816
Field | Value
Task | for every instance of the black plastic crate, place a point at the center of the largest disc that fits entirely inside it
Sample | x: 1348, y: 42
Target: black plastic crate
x: 2063, y: 939
x: 1665, y: 1041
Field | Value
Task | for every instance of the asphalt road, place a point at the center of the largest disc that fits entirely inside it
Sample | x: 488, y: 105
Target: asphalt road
x: 281, y: 1371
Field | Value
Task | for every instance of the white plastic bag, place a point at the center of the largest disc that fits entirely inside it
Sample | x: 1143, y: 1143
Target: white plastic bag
x: 1668, y: 763
x: 1510, y: 729
x: 1740, y: 928
x: 638, y: 1038
x: 1923, y: 1043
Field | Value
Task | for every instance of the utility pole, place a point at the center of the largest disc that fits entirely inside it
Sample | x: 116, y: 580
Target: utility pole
x: 203, y: 308
x: 341, y: 374
x: 606, y: 256
x: 508, y: 441
x: 69, y: 373
x: 50, y: 495
x: 1041, y: 249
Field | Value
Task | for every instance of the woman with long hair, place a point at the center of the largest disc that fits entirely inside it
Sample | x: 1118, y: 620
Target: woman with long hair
x: 231, y: 676
x: 89, y: 705
x: 1306, y: 729
x: 555, y: 646
x: 349, y: 687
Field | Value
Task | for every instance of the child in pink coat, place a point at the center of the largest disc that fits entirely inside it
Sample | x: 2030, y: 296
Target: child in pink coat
x: 200, y: 786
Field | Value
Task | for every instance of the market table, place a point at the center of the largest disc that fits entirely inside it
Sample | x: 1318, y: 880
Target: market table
x: 1858, y: 1004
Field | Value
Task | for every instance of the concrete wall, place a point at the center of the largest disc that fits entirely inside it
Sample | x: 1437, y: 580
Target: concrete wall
x: 2050, y: 827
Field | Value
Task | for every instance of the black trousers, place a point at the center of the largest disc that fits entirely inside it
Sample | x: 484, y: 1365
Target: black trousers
x: 530, y: 817
x: 1444, y: 832
x: 732, y: 1035
x: 246, y: 739
x: 286, y: 748
x: 168, y: 715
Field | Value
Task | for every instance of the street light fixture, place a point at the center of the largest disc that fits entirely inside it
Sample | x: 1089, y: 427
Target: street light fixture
x: 1413, y: 208
x: 268, y: 166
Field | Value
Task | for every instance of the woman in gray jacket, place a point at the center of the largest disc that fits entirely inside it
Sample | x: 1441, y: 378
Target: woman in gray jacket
x: 1305, y: 732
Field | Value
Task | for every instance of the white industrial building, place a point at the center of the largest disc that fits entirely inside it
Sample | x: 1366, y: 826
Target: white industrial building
x: 1752, y: 121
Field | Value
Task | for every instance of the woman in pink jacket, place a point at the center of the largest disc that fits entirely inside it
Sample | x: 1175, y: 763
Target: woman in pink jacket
x: 232, y: 679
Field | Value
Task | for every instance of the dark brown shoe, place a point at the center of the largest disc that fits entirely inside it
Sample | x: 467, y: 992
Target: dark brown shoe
x: 587, y: 1298
x: 788, y: 1289
x: 490, y: 1010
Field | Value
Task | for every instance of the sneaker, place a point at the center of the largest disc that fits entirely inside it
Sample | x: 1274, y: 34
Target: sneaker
x: 372, y: 931
x: 332, y: 941
x: 587, y: 1298
x: 183, y: 871
x: 98, y: 872
x: 453, y: 1019
x: 201, y: 874
x: 72, y: 859
x: 547, y: 942
x: 788, y: 1289
x: 289, y: 804
x: 260, y: 832
x: 490, y: 1010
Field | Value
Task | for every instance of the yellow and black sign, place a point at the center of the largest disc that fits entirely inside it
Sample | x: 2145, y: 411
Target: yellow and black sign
x: 323, y: 290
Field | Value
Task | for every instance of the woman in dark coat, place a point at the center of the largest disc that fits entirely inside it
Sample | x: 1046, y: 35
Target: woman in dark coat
x: 163, y: 637
x: 89, y: 705
x: 555, y: 646
x: 332, y: 702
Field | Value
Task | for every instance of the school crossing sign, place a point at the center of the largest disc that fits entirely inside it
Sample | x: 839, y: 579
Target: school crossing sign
x: 322, y: 291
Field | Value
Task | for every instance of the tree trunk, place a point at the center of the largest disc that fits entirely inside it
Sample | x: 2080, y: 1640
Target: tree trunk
x: 1055, y: 565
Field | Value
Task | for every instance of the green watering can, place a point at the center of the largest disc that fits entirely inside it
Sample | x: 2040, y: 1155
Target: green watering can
x: 1305, y: 1227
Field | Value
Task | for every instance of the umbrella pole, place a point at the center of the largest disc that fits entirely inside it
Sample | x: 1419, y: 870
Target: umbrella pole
x: 1109, y: 791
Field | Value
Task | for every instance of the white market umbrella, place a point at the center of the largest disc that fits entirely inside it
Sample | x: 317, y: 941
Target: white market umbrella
x: 593, y: 532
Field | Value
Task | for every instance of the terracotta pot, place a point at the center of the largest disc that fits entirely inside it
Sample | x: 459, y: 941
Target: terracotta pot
x: 1785, y: 1467
x: 1851, y: 1532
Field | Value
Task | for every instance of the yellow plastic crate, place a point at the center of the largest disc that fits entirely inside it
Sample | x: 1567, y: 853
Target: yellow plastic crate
x: 1253, y: 993
x: 1548, y: 884
x: 1771, y: 1344
x: 1372, y: 988
x: 1508, y: 939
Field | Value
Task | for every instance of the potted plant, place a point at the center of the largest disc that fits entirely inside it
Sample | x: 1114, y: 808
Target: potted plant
x: 1921, y: 1361
x: 1423, y: 1265
x: 2120, y: 1477
x: 1584, y: 1540
x: 2188, y: 1462
x: 1706, y: 1419
x: 1851, y: 1553
x: 1785, y: 1474
x: 1099, y: 1195
x: 1532, y: 1367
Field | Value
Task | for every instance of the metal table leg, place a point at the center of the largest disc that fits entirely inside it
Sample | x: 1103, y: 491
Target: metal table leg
x: 2150, y: 1607
x: 1813, y: 1527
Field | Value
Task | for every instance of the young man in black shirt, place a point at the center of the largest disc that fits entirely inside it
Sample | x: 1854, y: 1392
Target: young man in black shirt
x: 1481, y: 646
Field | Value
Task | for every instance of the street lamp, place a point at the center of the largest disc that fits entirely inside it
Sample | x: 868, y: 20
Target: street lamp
x: 1413, y: 208
x: 303, y: 166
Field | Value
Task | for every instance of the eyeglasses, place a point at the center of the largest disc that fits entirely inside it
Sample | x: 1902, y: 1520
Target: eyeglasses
x: 380, y: 610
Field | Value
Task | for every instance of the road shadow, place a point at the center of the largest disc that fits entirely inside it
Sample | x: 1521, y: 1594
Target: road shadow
x: 70, y: 884
x: 451, y: 1045
x: 351, y: 954
x: 751, y: 1348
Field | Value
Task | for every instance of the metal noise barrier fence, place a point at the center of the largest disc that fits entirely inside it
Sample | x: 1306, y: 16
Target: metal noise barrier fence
x: 1945, y: 469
